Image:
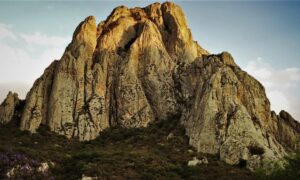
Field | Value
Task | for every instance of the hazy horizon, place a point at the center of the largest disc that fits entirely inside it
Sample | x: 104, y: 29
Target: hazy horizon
x: 263, y: 37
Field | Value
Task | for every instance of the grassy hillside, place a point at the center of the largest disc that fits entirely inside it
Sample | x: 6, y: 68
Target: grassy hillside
x: 144, y: 153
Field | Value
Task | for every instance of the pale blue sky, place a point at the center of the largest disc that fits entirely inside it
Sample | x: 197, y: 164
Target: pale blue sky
x: 263, y: 37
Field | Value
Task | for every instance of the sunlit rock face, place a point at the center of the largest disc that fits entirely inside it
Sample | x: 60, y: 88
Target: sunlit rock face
x: 119, y: 72
x: 141, y: 65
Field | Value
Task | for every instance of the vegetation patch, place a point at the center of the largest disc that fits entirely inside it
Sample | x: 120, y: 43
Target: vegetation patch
x: 289, y: 172
x: 118, y: 153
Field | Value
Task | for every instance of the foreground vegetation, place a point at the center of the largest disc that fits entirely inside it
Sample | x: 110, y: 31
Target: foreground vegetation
x: 160, y: 151
x: 290, y: 172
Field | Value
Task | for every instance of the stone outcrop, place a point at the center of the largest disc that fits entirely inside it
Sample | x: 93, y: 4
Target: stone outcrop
x: 229, y: 113
x: 286, y: 129
x: 195, y: 161
x: 141, y: 65
x: 8, y: 107
x: 119, y: 72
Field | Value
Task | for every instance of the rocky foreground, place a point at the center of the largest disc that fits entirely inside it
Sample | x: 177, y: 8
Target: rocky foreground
x: 140, y: 66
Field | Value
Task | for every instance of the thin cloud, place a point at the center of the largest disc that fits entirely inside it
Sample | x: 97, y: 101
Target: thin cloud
x: 26, y: 60
x: 38, y: 38
x: 282, y: 85
x: 5, y: 32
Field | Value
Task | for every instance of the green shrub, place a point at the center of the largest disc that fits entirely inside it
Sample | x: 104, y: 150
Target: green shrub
x: 118, y: 153
x: 289, y: 172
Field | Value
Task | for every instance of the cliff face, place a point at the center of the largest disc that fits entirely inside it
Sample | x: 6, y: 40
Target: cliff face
x: 119, y: 72
x: 142, y: 65
x: 229, y: 113
x: 9, y: 107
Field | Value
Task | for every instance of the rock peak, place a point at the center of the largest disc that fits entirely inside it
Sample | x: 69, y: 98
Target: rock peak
x: 168, y: 19
x: 142, y: 65
x: 7, y: 108
x: 85, y: 32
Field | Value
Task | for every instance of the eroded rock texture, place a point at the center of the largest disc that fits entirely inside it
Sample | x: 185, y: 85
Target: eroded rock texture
x: 8, y: 107
x: 229, y: 113
x: 142, y: 65
x: 119, y: 72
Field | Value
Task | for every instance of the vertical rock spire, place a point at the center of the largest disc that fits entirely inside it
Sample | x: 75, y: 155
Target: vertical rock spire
x: 8, y: 107
x: 58, y: 97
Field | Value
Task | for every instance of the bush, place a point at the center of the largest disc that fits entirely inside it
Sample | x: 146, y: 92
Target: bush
x: 21, y: 166
x: 289, y: 172
x: 118, y: 153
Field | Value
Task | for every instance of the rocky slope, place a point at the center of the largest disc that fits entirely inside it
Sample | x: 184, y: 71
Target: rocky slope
x: 142, y: 65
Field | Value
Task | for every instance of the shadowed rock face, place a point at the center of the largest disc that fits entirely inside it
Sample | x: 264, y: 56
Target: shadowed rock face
x: 286, y: 129
x: 229, y: 113
x: 8, y: 108
x: 142, y: 65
